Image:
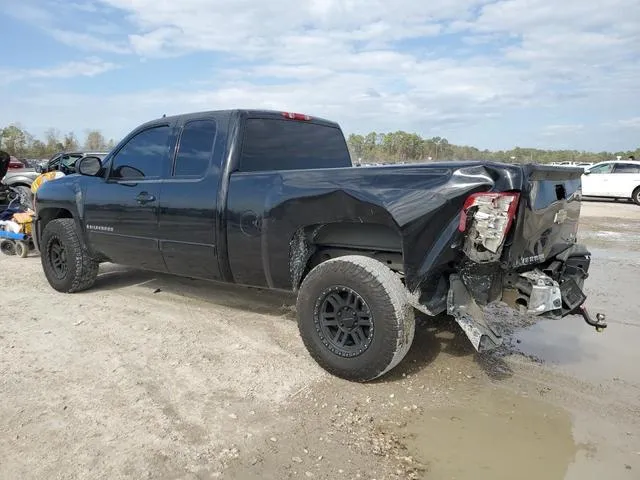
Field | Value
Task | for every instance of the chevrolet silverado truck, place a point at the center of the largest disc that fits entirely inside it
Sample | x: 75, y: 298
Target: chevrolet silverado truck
x: 272, y: 200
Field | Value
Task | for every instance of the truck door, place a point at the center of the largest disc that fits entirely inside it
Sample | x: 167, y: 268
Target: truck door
x: 596, y: 182
x: 121, y: 210
x: 625, y: 179
x: 188, y: 201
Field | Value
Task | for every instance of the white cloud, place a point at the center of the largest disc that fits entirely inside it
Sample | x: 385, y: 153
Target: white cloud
x: 562, y: 129
x: 441, y: 67
x: 58, y: 19
x: 248, y: 26
x: 85, y: 41
x: 86, y: 68
x: 633, y: 123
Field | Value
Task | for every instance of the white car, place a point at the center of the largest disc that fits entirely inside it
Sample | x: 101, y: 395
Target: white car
x: 613, y: 179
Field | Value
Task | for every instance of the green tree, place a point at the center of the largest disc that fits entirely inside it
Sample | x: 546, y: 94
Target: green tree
x: 94, y: 141
x: 70, y: 142
x: 15, y: 140
x: 52, y: 141
x: 38, y: 149
x: 356, y: 146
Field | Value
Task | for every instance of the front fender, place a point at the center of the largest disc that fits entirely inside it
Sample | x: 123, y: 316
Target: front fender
x: 61, y: 198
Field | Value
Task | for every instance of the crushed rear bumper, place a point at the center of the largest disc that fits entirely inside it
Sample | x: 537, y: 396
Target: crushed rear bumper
x: 552, y: 290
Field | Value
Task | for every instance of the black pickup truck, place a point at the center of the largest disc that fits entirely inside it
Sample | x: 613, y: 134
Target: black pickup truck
x: 270, y: 199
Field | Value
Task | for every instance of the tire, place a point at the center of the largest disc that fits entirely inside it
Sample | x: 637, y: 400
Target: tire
x: 25, y: 195
x: 374, y: 346
x: 635, y: 196
x: 65, y: 260
x: 8, y: 247
x: 22, y: 249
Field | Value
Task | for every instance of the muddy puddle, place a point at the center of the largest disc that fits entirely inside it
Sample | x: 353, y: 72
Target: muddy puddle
x: 574, y: 347
x: 498, y: 435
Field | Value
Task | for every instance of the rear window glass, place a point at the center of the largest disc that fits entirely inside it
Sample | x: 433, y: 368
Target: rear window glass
x: 195, y: 148
x: 626, y: 168
x: 291, y: 145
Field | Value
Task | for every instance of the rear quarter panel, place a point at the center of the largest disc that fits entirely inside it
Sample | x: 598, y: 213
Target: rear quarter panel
x: 421, y: 202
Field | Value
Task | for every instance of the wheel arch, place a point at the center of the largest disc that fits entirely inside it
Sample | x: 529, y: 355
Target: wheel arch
x: 635, y: 195
x: 314, y: 244
x: 46, y: 215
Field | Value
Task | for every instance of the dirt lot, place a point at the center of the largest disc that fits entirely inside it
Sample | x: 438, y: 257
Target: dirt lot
x: 149, y: 376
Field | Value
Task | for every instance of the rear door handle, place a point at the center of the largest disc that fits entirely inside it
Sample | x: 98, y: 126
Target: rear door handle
x: 144, y: 197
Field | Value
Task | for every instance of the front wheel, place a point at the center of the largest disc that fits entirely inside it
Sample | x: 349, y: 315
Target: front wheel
x: 65, y: 260
x: 354, y: 317
x: 636, y: 196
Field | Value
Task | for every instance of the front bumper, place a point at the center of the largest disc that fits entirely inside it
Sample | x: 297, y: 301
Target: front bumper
x: 552, y: 290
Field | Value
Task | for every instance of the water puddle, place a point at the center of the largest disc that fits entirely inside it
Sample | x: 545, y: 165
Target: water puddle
x: 576, y: 348
x: 498, y: 435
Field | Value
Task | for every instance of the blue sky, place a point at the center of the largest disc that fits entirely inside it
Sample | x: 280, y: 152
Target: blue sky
x: 494, y: 74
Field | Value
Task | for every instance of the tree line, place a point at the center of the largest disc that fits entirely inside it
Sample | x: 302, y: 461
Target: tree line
x: 21, y: 144
x: 403, y: 147
x: 393, y: 147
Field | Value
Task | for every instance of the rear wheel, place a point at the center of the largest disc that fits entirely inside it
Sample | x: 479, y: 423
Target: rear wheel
x: 636, y: 196
x: 354, y: 317
x: 65, y: 260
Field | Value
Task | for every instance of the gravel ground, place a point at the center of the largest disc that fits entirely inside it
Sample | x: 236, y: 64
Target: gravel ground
x: 151, y: 376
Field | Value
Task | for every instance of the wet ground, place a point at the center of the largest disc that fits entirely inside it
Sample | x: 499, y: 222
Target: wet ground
x: 150, y: 376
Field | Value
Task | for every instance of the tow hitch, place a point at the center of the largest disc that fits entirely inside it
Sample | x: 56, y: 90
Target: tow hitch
x: 600, y: 323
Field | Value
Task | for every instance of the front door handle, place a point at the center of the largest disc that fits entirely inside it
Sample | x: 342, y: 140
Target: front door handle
x: 144, y: 197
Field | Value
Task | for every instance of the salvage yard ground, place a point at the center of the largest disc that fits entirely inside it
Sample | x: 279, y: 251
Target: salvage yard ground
x: 151, y: 376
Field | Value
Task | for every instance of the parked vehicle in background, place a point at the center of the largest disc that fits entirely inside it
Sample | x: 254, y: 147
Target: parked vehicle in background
x: 15, y: 164
x: 272, y: 200
x: 613, y: 179
x: 66, y: 161
x: 63, y: 161
x: 584, y: 165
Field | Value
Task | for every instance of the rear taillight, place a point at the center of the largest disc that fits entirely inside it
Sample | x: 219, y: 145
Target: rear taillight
x: 296, y: 116
x: 492, y: 213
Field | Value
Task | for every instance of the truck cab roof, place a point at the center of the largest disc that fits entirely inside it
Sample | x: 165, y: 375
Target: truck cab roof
x: 256, y: 113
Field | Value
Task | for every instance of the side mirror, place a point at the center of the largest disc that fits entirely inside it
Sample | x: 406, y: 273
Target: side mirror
x: 587, y: 172
x: 39, y: 168
x: 89, y: 166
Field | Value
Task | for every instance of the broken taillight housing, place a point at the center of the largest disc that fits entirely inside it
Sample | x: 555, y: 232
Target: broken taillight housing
x: 493, y: 214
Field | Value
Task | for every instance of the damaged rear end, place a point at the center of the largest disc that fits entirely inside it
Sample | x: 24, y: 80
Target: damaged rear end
x: 520, y: 247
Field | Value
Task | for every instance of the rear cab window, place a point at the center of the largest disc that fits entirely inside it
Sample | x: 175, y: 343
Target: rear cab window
x: 282, y: 144
x: 195, y: 148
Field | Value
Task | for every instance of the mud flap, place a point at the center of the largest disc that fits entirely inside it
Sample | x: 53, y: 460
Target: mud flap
x: 470, y: 317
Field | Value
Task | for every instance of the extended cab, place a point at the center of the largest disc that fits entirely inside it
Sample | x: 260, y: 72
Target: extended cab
x: 271, y: 200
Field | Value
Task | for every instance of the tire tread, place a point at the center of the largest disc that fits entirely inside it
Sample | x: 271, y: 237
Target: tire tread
x: 392, y: 296
x: 84, y: 269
